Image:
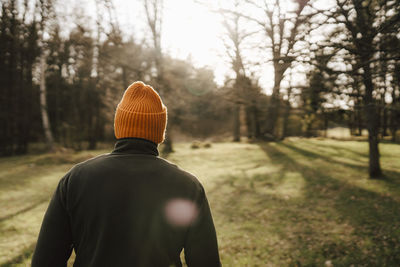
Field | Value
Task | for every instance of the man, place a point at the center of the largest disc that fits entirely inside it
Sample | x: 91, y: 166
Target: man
x: 129, y: 207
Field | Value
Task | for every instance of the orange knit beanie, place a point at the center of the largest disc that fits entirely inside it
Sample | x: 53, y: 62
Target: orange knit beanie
x: 141, y: 113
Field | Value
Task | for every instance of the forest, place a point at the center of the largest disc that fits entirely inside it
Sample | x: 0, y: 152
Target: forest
x: 294, y: 70
x: 62, y: 88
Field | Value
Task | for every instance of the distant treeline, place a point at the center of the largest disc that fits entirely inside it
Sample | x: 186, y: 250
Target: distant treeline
x: 84, y: 78
x: 63, y: 88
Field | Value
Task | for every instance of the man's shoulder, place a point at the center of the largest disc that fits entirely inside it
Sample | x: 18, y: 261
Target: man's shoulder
x: 163, y: 165
x: 176, y: 169
x: 88, y: 163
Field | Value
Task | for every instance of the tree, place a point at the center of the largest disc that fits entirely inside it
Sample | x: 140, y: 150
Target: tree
x: 18, y: 53
x: 45, y: 11
x: 154, y: 16
x: 284, y: 30
x: 235, y: 36
x: 360, y: 25
x: 313, y: 95
x: 395, y: 105
x: 245, y: 90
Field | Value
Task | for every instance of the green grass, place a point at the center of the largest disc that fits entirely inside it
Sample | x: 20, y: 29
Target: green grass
x: 302, y: 202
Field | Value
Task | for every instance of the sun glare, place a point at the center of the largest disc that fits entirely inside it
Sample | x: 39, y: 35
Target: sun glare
x: 192, y: 31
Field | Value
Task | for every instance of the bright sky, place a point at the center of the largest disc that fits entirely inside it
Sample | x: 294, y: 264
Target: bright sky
x: 190, y: 31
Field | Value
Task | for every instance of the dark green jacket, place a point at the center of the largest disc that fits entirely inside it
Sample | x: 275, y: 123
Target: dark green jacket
x: 128, y: 208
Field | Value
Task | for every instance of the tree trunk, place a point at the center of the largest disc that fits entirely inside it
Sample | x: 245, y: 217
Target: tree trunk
x: 394, y: 130
x: 253, y: 126
x: 394, y: 111
x: 287, y: 113
x: 285, y: 120
x: 92, y: 144
x: 351, y: 124
x: 393, y: 119
x: 359, y: 122
x: 358, y: 109
x: 249, y: 122
x: 326, y: 124
x: 257, y: 132
x: 309, y: 124
x: 124, y: 78
x: 374, y: 164
x: 167, y: 143
x: 154, y: 22
x: 274, y: 104
x: 385, y: 122
x: 236, y: 123
x: 372, y: 125
x: 43, y: 104
x: 93, y: 130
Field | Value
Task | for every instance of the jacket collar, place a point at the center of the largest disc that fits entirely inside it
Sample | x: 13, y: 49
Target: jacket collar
x: 135, y: 146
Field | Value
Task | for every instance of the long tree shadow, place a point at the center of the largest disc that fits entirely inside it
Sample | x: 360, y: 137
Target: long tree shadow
x: 374, y: 217
x: 314, y: 155
x: 391, y: 179
x: 340, y: 150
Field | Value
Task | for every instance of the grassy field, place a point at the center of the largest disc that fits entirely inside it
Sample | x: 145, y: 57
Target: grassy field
x: 302, y: 202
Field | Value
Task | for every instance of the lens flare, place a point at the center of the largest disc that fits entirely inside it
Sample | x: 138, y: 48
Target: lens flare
x: 180, y: 212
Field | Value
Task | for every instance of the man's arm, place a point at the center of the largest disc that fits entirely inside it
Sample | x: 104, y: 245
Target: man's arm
x: 201, y: 248
x: 54, y: 244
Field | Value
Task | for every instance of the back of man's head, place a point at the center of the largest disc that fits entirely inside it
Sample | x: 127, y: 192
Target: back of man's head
x: 141, y: 114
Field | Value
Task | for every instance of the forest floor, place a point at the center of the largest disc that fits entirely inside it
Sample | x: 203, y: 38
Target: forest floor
x: 301, y: 202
